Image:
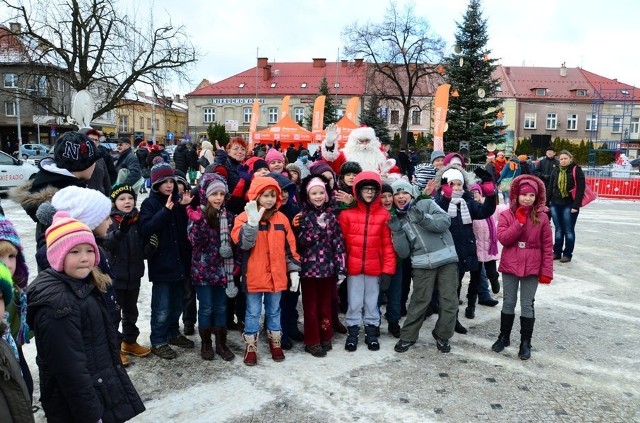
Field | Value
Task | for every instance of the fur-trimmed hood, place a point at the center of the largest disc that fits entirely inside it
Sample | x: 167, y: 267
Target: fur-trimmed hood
x: 30, y: 201
x: 541, y: 198
x: 468, y: 178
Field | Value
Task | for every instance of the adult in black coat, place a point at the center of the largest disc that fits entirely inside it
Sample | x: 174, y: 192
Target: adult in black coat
x: 181, y: 157
x: 546, y: 166
x: 292, y: 154
x: 81, y: 376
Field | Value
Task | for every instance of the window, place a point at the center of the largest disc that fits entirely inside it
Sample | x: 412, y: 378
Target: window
x: 10, y: 80
x: 209, y: 115
x: 303, y: 85
x: 336, y: 85
x: 572, y: 122
x: 157, y: 124
x: 635, y: 126
x: 415, y: 117
x: 274, y: 84
x: 246, y: 115
x: 298, y: 114
x: 581, y: 93
x: 541, y: 91
x: 499, y: 89
x: 529, y: 121
x: 148, y: 123
x: 124, y: 123
x: 241, y: 85
x: 395, y: 117
x: 10, y: 108
x: 552, y: 121
x: 273, y: 114
x: 617, y: 124
x: 591, y: 123
x: 141, y: 123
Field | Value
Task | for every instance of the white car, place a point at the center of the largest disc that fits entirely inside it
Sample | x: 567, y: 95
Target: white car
x: 14, y: 172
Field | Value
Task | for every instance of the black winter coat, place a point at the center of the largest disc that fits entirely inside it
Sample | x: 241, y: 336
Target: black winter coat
x: 81, y: 376
x: 126, y: 251
x: 181, y: 158
x: 222, y: 158
x: 192, y: 154
x: 171, y: 261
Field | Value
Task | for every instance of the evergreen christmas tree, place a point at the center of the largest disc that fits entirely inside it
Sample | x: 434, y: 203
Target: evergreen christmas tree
x: 475, y: 114
x: 371, y: 117
x: 329, y: 108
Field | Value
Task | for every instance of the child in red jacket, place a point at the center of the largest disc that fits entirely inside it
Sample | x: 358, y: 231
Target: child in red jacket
x: 527, y: 258
x: 370, y: 258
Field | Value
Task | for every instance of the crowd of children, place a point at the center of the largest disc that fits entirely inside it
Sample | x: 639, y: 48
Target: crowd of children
x: 346, y: 242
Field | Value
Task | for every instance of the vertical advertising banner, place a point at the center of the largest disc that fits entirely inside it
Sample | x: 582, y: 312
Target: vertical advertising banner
x: 352, y: 108
x: 253, y: 124
x: 284, y: 108
x: 440, y: 116
x: 317, y: 122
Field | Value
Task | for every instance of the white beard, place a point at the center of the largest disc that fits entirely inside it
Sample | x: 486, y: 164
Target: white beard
x: 369, y: 156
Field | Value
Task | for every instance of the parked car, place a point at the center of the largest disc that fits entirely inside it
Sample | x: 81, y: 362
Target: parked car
x: 28, y: 150
x: 635, y: 162
x: 14, y: 172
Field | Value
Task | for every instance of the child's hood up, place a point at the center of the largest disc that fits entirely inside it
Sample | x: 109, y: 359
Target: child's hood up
x: 262, y: 183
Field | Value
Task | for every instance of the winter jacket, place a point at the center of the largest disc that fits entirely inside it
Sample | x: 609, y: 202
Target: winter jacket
x: 108, y: 161
x: 128, y: 160
x: 499, y: 163
x: 81, y: 376
x: 366, y: 235
x: 231, y: 165
x: 126, y: 251
x: 545, y: 168
x: 508, y: 172
x: 192, y: 157
x: 527, y: 250
x: 554, y: 196
x: 172, y: 257
x: 15, y: 402
x: 152, y: 155
x: 207, y: 152
x: 483, y: 237
x: 270, y: 247
x: 181, y: 157
x: 462, y: 233
x: 142, y: 153
x: 428, y: 242
x: 100, y: 180
x: 322, y: 250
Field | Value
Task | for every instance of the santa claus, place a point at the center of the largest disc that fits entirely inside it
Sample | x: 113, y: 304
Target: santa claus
x: 362, y: 147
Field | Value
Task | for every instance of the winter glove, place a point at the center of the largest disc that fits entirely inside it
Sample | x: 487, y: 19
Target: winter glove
x: 395, y: 224
x: 385, y: 282
x: 331, y: 135
x: 416, y: 215
x: 483, y: 175
x: 151, y: 246
x: 445, y: 188
x: 521, y: 214
x: 243, y: 173
x: 544, y: 279
x: 322, y: 220
x: 295, y: 281
x: 341, y: 279
x: 253, y: 215
x: 125, y: 224
x: 231, y: 290
x: 297, y: 219
x: 488, y: 189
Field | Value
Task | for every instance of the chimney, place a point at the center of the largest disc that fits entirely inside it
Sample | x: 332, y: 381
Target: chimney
x: 358, y: 62
x: 15, y: 28
x: 266, y: 72
x: 507, y: 70
x: 141, y: 94
x: 176, y: 98
x: 563, y: 70
x: 319, y: 63
x: 344, y: 62
x: 262, y: 62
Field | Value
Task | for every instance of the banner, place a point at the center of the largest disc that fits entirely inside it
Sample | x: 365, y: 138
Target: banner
x: 253, y: 124
x: 440, y: 116
x: 284, y: 108
x: 317, y: 122
x: 352, y: 108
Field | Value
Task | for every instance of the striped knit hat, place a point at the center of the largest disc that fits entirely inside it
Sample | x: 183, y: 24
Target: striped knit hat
x: 8, y: 233
x: 64, y: 234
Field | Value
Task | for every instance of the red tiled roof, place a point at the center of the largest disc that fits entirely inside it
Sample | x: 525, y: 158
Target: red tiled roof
x: 611, y: 89
x: 288, y: 79
x: 525, y: 80
x: 12, y: 49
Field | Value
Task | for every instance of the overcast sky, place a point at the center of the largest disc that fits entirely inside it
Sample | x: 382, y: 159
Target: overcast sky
x: 600, y: 36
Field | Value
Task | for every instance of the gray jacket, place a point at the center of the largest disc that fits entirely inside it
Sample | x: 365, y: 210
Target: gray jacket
x: 427, y: 239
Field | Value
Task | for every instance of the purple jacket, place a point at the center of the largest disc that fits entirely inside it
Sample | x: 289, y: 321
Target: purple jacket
x: 321, y: 250
x: 527, y: 250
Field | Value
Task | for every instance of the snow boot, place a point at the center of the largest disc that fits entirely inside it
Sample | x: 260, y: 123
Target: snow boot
x: 206, y: 347
x: 506, y: 323
x: 222, y: 349
x: 352, y: 338
x: 371, y: 337
x: 459, y: 328
x: 274, y: 345
x: 470, y: 311
x: 526, y: 329
x: 250, y: 349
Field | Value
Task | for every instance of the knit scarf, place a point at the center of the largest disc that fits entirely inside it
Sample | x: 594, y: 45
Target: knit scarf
x: 456, y: 198
x: 562, y: 181
x: 5, y: 333
x: 493, y: 236
x: 226, y: 252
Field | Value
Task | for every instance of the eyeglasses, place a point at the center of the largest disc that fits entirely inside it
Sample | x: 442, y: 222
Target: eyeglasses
x: 369, y: 190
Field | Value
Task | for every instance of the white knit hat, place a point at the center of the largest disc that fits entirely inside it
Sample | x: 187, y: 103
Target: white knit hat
x: 452, y: 175
x: 87, y: 205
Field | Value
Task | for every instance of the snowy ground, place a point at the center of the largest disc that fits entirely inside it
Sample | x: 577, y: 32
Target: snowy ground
x: 584, y: 366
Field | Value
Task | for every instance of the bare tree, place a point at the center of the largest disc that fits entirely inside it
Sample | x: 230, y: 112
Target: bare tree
x: 402, y: 54
x: 92, y: 44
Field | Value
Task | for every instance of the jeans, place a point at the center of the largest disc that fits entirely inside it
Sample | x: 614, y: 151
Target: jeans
x: 189, y: 304
x: 483, y: 288
x: 393, y: 296
x: 254, y: 309
x: 166, y: 307
x: 565, y: 224
x: 213, y: 306
x: 528, y: 288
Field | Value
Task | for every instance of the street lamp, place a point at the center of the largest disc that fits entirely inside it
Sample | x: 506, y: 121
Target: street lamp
x: 18, y: 122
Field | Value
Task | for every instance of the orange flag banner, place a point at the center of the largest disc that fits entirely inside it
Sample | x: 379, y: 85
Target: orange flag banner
x: 284, y: 108
x: 317, y: 121
x: 440, y: 109
x: 253, y: 124
x: 352, y: 108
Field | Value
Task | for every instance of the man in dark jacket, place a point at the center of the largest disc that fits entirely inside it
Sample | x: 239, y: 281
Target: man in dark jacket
x: 181, y: 157
x: 127, y: 160
x: 545, y: 166
x: 105, y: 173
x: 292, y: 154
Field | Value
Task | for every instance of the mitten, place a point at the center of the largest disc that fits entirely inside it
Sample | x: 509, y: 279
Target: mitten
x: 231, y: 290
x: 521, y: 215
x: 385, y: 281
x: 331, y: 135
x: 295, y: 281
x: 322, y: 220
x: 488, y: 189
x: 253, y: 215
x: 416, y: 215
x: 341, y: 279
x: 446, y: 190
x: 544, y: 279
x: 297, y: 219
x: 395, y: 224
x: 483, y: 175
x: 125, y: 224
x: 243, y: 173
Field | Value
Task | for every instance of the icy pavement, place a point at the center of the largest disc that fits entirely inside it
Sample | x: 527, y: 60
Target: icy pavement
x: 584, y: 367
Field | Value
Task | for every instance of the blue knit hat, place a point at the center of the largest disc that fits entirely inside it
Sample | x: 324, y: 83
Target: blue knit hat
x: 8, y: 233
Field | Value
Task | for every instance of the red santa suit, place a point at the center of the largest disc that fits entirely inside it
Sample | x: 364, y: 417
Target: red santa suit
x: 368, y: 155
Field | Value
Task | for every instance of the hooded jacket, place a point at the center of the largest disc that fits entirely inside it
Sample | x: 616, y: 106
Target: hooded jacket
x: 126, y: 251
x: 269, y: 248
x: 527, y: 249
x: 366, y: 234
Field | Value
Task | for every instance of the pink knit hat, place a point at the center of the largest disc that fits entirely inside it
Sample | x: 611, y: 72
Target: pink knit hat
x: 272, y: 155
x: 63, y: 235
x: 317, y: 182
